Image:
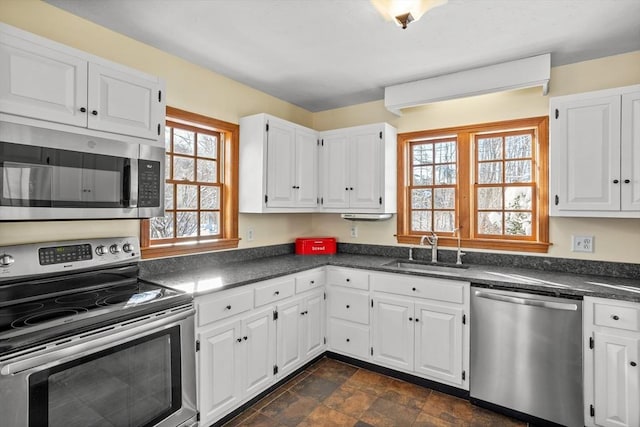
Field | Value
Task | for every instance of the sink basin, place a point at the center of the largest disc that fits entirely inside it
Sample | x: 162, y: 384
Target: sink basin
x: 427, y: 267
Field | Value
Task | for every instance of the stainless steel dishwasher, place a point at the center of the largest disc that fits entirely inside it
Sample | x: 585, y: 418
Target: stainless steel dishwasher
x: 526, y: 354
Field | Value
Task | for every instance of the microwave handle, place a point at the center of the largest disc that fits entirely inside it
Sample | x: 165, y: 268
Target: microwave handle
x: 131, y: 183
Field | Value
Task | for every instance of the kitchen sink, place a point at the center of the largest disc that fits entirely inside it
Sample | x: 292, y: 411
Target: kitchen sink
x: 428, y: 267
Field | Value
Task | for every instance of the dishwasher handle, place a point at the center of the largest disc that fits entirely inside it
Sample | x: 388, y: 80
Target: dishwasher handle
x: 528, y: 301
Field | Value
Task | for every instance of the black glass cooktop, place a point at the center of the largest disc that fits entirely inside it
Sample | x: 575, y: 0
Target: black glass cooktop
x: 64, y: 308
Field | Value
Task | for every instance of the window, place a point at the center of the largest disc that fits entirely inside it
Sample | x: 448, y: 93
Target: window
x: 487, y: 182
x: 201, y: 205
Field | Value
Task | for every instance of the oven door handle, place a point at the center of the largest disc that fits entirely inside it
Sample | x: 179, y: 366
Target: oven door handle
x: 121, y: 333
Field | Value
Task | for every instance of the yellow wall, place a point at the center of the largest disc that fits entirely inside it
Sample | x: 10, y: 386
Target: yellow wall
x: 193, y: 88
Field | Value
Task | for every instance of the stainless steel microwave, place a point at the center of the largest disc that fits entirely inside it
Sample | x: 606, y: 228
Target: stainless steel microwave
x: 51, y: 174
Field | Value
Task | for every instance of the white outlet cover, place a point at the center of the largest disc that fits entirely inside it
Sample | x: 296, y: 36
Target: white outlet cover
x: 582, y: 243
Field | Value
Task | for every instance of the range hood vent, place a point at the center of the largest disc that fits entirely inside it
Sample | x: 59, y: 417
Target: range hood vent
x: 518, y: 74
x: 366, y: 217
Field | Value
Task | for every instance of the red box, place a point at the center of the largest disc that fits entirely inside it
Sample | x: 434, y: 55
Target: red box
x: 316, y: 246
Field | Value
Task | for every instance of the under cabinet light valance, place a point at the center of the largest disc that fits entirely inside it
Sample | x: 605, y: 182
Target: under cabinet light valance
x: 519, y: 74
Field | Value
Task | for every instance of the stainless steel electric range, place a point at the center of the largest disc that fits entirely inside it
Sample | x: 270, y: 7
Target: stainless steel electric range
x: 84, y: 341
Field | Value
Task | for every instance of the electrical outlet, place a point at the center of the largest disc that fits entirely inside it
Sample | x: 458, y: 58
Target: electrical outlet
x: 354, y: 230
x: 250, y: 234
x: 582, y: 243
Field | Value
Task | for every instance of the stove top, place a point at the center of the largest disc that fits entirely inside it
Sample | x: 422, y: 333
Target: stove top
x: 73, y: 296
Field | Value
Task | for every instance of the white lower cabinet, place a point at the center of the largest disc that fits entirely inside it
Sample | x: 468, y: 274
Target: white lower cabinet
x: 419, y: 326
x: 250, y: 337
x: 611, y: 358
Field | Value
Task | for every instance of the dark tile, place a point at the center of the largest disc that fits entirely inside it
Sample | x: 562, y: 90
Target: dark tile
x: 407, y: 394
x: 259, y: 420
x: 369, y: 382
x: 295, y: 380
x: 334, y: 370
x: 383, y: 413
x: 349, y: 400
x: 240, y: 419
x: 315, y: 387
x: 290, y: 408
x: 268, y: 398
x: 448, y: 408
x: 323, y: 416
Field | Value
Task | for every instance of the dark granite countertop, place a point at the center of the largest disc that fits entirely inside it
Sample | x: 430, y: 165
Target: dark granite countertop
x: 202, y: 280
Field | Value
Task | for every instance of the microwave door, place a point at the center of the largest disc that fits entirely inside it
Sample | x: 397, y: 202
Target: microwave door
x: 26, y: 184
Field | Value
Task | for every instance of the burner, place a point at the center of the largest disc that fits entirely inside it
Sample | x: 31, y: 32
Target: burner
x: 122, y: 288
x: 47, y: 316
x: 130, y: 298
x: 83, y: 297
x: 17, y: 310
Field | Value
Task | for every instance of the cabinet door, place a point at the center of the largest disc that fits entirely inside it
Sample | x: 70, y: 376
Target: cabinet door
x: 335, y: 171
x: 585, y: 155
x: 630, y: 176
x: 259, y: 339
x: 438, y: 342
x: 123, y: 103
x: 393, y: 326
x: 365, y: 169
x: 616, y: 381
x: 39, y: 82
x: 219, y: 360
x: 289, y: 334
x: 281, y: 158
x: 306, y: 181
x: 314, y: 319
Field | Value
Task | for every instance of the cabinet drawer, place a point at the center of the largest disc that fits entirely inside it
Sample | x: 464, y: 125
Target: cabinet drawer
x: 617, y: 316
x: 349, y: 338
x: 274, y: 290
x: 348, y: 277
x: 424, y: 287
x: 309, y: 280
x: 348, y: 304
x: 215, y: 307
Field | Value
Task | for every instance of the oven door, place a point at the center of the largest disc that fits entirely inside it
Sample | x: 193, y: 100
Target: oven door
x: 137, y: 374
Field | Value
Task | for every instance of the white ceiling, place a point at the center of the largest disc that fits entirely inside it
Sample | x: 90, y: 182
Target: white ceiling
x: 324, y: 54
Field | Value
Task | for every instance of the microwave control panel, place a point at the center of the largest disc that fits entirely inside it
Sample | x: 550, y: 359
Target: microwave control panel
x: 149, y: 184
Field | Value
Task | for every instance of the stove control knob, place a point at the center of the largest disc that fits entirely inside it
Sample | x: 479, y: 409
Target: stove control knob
x: 101, y: 250
x: 6, y: 260
x: 127, y: 247
x: 114, y: 249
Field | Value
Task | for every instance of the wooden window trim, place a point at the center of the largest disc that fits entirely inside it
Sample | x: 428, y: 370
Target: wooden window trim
x: 465, y: 187
x: 229, y: 203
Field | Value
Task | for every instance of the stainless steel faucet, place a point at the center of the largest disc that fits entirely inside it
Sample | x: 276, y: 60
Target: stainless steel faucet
x: 433, y: 241
x: 460, y: 253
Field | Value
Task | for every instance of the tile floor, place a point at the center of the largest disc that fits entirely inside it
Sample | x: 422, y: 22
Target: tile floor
x: 333, y: 393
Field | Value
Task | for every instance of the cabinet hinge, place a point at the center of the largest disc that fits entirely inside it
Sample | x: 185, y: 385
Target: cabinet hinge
x: 380, y: 200
x: 197, y: 416
x: 557, y: 113
x: 317, y: 200
x: 557, y: 200
x: 159, y: 96
x: 275, y: 369
x: 592, y: 411
x: 158, y: 129
x: 322, y: 200
x: 275, y: 315
x: 464, y: 375
x: 325, y: 340
x: 266, y: 198
x: 322, y: 142
x: 591, y: 343
x: 372, y: 351
x: 325, y: 295
x: 380, y: 134
x: 267, y: 127
x: 197, y: 346
x: 372, y: 303
x: 464, y: 319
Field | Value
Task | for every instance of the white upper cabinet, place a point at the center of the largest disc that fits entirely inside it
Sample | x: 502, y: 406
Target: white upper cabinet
x: 358, y: 169
x: 595, y: 154
x: 282, y: 164
x: 46, y: 81
x: 278, y: 166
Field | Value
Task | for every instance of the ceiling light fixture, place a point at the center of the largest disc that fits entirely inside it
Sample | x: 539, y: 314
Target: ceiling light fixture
x: 403, y: 12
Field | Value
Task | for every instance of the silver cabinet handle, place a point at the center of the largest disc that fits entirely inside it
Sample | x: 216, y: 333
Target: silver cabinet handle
x: 528, y: 301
